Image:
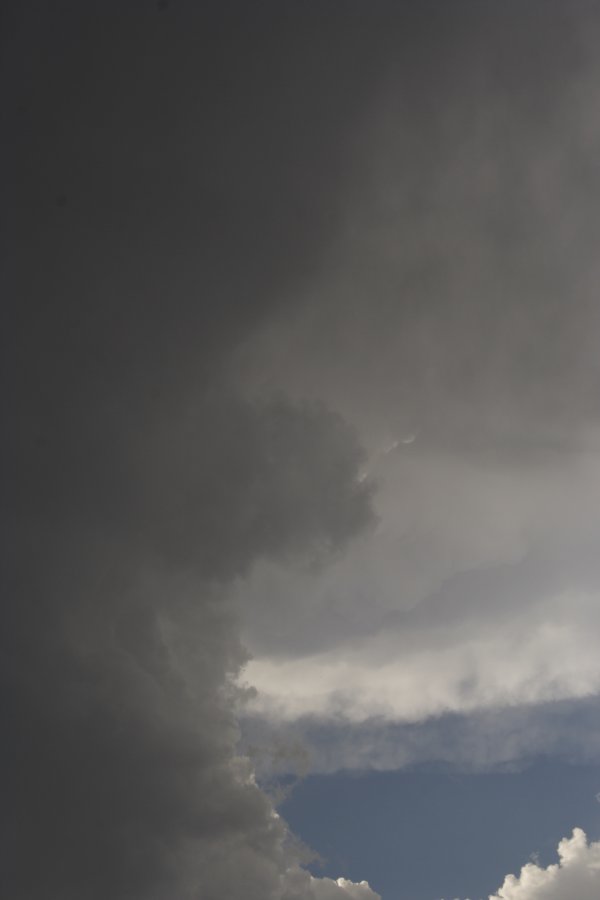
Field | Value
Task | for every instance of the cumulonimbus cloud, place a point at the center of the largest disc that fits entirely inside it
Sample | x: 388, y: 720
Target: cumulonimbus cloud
x: 124, y: 705
x: 144, y: 483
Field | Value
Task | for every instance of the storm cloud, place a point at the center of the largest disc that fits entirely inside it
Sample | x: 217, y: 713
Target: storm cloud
x: 150, y: 227
x: 455, y: 322
x: 303, y: 441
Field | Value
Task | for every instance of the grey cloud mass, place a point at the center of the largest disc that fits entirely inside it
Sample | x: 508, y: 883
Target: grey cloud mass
x: 121, y: 706
x: 455, y: 322
x: 301, y: 422
x: 159, y: 209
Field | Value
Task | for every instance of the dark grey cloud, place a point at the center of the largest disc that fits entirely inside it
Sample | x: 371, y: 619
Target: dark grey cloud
x: 119, y: 646
x: 173, y: 171
x: 222, y: 217
x: 458, y: 301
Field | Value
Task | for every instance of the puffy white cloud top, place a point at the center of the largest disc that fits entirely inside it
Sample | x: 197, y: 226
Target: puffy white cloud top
x: 575, y: 877
x: 298, y: 884
x: 342, y: 889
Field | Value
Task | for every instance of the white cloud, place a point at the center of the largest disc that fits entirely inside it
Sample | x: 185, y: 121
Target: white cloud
x: 298, y: 884
x: 575, y: 877
x: 479, y: 590
x: 517, y: 662
x: 342, y: 889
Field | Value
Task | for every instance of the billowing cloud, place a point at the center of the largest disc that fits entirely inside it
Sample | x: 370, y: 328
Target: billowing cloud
x: 123, y: 710
x: 576, y: 875
x: 341, y: 889
x: 236, y: 263
x: 455, y: 324
x: 144, y: 483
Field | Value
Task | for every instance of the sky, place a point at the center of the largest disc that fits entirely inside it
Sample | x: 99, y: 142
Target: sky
x: 302, y: 450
